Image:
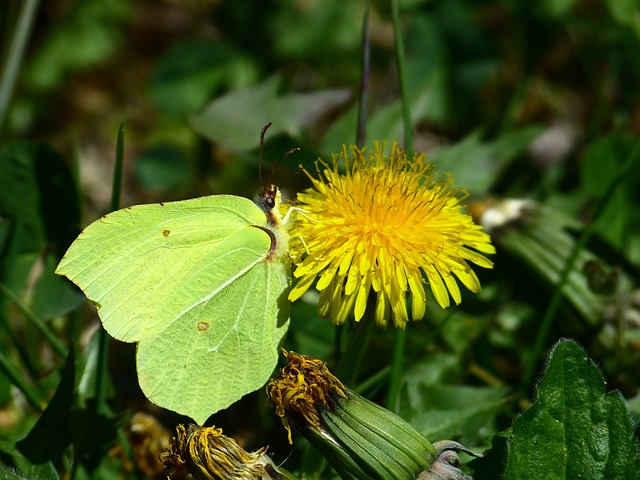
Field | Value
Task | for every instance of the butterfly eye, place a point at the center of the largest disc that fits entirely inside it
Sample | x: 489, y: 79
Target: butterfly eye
x: 270, y: 202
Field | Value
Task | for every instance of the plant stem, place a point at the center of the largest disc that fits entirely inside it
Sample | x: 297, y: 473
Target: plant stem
x: 356, y: 345
x: 395, y: 380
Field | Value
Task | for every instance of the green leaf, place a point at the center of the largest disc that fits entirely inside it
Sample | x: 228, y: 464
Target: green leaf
x: 87, y: 33
x: 19, y: 195
x: 600, y: 163
x: 574, y: 429
x: 476, y: 164
x: 93, y: 435
x: 492, y: 461
x: 625, y: 12
x: 24, y: 468
x: 161, y: 168
x: 53, y: 296
x: 51, y: 434
x: 193, y: 71
x: 200, y: 284
x: 453, y: 411
x: 232, y: 120
x: 31, y: 175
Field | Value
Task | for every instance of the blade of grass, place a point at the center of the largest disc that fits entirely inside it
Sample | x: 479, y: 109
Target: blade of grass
x: 35, y: 320
x: 402, y: 76
x: 102, y: 365
x: 117, y: 170
x: 587, y: 232
x: 363, y: 104
x: 17, y: 379
x: 15, y: 55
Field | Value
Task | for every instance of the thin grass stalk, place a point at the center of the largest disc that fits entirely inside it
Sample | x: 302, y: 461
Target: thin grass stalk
x: 102, y: 365
x: 365, y: 73
x: 587, y: 232
x: 35, y: 320
x: 16, y: 54
x: 402, y: 77
x: 17, y: 379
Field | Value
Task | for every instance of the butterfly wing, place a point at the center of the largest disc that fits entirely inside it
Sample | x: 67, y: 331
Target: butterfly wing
x: 191, y: 283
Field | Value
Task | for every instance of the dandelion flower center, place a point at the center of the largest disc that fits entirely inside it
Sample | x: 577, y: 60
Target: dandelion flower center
x: 384, y: 225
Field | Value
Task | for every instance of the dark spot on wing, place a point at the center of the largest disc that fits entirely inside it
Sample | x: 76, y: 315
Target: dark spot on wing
x: 203, y: 326
x: 166, y: 233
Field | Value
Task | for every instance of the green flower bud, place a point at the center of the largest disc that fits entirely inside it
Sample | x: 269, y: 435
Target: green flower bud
x: 359, y: 439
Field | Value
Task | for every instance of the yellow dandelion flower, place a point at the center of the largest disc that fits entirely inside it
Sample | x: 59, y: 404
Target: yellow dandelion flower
x: 385, y: 224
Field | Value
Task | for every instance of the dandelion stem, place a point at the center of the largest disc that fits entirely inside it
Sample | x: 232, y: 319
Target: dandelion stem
x: 395, y: 381
x: 587, y: 232
x: 356, y: 345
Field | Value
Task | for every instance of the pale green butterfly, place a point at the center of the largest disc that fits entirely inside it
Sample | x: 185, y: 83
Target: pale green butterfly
x: 200, y: 284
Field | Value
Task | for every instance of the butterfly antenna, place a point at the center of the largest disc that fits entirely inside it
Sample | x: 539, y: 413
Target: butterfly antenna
x: 284, y: 155
x: 264, y: 130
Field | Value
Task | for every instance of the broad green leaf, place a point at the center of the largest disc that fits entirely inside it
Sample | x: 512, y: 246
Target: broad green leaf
x: 574, y: 429
x: 200, y: 284
x: 51, y: 434
x: 53, y: 296
x: 24, y: 470
x: 161, y: 168
x: 19, y: 195
x: 232, y: 120
x: 194, y: 70
x: 93, y: 435
x: 476, y: 164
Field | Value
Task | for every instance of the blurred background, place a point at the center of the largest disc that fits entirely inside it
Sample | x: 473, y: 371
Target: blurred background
x: 517, y: 99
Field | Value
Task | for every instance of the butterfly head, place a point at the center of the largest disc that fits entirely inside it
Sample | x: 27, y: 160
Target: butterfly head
x: 268, y: 200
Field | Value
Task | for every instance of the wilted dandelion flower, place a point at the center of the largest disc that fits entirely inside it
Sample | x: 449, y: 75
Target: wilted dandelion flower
x: 384, y: 224
x: 207, y: 454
